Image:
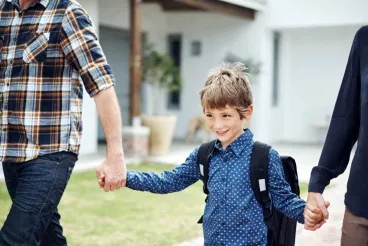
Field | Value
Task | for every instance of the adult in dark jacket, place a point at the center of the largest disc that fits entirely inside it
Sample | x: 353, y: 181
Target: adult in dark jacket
x: 349, y: 124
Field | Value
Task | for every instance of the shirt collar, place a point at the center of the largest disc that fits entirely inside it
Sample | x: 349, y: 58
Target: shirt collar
x: 42, y: 2
x: 240, y: 143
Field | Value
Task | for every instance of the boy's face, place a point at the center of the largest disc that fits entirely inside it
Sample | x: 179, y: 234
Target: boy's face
x: 226, y: 123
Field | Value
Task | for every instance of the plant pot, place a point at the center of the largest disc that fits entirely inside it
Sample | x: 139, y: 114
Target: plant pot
x: 161, y: 133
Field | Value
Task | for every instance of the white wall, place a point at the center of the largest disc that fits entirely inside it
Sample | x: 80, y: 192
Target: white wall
x: 219, y: 35
x: 313, y: 62
x: 300, y: 13
x: 90, y: 120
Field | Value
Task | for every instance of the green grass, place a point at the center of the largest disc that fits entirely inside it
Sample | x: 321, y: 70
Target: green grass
x: 125, y: 217
x: 303, y: 190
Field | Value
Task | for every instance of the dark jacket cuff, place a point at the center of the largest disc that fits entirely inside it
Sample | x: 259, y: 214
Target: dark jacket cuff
x: 319, y: 179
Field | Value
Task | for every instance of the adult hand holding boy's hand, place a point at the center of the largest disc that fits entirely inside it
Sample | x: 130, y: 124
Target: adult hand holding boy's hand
x: 113, y: 171
x: 315, y: 212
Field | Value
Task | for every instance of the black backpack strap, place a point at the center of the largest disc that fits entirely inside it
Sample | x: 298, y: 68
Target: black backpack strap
x: 203, y: 158
x: 259, y: 182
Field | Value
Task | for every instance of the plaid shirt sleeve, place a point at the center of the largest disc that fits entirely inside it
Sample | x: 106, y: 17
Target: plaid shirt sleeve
x: 81, y: 47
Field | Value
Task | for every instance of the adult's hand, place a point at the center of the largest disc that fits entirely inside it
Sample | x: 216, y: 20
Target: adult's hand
x: 315, y: 201
x: 113, y: 170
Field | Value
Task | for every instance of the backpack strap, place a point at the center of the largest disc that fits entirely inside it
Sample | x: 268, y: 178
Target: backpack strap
x: 203, y: 159
x: 259, y: 182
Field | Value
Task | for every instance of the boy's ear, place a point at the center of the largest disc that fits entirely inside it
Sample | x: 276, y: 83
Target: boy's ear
x: 249, y: 112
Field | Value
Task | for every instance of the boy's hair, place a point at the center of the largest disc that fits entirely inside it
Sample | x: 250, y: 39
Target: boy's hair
x: 227, y: 85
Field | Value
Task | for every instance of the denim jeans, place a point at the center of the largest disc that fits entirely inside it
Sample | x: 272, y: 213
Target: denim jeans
x: 35, y: 188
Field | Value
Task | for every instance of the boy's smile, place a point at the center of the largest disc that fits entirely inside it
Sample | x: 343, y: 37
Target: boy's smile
x: 226, y: 123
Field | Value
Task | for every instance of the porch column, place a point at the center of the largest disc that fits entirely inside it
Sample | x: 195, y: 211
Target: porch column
x: 135, y: 74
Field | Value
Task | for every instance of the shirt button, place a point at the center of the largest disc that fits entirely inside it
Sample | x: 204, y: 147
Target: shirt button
x: 11, y: 62
x: 7, y: 84
x: 4, y: 129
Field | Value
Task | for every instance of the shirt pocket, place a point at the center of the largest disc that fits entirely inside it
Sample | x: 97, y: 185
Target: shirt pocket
x: 36, y: 47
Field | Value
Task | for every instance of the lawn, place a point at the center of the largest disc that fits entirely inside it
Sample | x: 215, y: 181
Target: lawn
x: 92, y: 217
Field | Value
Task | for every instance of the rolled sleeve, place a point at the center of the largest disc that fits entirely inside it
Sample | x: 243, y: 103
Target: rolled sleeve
x: 80, y: 45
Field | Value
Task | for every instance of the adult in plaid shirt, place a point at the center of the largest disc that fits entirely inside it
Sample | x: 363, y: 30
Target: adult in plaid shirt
x: 49, y: 50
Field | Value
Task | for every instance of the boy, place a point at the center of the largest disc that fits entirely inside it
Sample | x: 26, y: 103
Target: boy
x: 232, y: 214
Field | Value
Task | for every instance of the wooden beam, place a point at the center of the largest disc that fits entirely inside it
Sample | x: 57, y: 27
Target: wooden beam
x: 169, y: 5
x: 173, y: 6
x: 220, y: 7
x: 135, y: 74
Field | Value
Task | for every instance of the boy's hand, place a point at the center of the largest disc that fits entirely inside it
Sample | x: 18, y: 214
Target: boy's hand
x: 316, y: 200
x: 101, y: 180
x: 114, y: 171
x: 313, y: 216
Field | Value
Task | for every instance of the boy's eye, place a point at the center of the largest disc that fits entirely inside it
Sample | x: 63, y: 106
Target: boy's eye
x: 227, y: 115
x: 209, y: 115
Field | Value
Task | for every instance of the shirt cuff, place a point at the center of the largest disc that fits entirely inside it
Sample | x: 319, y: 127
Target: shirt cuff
x: 97, y: 78
x: 315, y: 187
x: 318, y: 180
x: 129, y: 179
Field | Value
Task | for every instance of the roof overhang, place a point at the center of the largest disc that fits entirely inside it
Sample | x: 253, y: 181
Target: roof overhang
x: 229, y: 7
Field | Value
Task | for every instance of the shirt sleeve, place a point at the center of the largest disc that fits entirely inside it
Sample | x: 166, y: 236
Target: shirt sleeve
x: 81, y: 47
x: 169, y: 181
x: 283, y: 199
x: 344, y: 126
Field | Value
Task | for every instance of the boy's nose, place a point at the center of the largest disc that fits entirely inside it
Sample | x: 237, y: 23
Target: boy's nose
x: 218, y: 125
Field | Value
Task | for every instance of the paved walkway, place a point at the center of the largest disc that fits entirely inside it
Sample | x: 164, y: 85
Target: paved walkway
x: 305, y: 156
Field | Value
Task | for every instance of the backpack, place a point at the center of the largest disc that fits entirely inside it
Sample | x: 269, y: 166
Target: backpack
x: 281, y: 229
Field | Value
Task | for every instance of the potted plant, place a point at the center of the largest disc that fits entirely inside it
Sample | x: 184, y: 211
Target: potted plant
x: 159, y: 71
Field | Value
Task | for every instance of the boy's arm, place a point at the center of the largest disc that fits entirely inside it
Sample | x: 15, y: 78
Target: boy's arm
x: 283, y: 199
x: 169, y: 181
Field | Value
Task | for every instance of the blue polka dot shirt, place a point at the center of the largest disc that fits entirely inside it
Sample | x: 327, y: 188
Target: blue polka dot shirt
x: 232, y: 214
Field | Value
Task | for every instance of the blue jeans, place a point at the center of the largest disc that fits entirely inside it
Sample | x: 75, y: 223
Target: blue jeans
x: 36, y: 188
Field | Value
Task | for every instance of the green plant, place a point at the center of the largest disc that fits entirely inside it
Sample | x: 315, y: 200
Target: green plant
x: 253, y: 68
x: 159, y: 69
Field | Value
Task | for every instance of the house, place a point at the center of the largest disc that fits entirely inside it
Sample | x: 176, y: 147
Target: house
x: 303, y: 47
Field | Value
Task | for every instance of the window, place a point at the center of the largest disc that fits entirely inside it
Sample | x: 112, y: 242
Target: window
x: 174, y: 46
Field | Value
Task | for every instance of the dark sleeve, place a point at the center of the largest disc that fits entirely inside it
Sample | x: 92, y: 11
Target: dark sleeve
x: 344, y: 127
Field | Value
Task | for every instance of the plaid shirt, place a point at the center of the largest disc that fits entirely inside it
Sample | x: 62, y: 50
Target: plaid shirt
x: 48, y: 52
